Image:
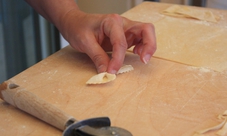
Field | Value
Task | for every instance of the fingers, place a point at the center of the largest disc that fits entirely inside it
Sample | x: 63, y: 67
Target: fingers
x: 146, y: 47
x: 113, y: 28
x: 92, y: 48
x: 100, y: 59
x: 120, y: 33
x: 149, y: 43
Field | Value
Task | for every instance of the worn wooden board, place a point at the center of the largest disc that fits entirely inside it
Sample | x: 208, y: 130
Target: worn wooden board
x: 186, y: 40
x: 160, y: 98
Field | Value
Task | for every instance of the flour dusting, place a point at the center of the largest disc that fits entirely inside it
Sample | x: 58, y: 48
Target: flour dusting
x: 201, y: 69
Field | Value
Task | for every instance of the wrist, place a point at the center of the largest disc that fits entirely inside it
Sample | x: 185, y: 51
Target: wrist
x: 68, y: 20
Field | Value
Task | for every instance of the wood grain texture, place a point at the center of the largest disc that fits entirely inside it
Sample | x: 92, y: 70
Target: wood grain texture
x: 28, y: 102
x: 158, y: 99
x: 186, y: 40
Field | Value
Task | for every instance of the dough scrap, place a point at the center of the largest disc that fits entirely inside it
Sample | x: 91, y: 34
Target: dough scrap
x: 221, y: 127
x: 188, y: 12
x: 105, y: 77
x: 101, y: 78
x: 125, y: 68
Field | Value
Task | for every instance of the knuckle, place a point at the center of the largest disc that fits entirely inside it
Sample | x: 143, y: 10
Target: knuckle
x: 122, y: 45
x: 97, y: 59
x: 100, y: 62
x: 113, y: 18
x: 148, y: 26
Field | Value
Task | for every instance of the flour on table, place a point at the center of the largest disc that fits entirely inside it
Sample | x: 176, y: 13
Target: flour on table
x: 191, y: 43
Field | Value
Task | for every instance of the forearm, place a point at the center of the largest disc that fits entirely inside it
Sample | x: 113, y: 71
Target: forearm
x: 53, y: 10
x: 93, y: 33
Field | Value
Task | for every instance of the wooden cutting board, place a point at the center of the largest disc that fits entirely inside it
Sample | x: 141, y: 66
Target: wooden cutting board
x: 187, y: 40
x: 160, y: 98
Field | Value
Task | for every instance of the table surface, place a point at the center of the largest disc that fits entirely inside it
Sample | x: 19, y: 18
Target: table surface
x: 163, y: 97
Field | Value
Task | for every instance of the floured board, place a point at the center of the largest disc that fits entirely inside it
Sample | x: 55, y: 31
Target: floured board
x: 194, y: 43
x: 159, y: 98
x: 186, y: 40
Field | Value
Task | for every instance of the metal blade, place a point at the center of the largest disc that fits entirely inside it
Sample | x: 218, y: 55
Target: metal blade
x: 103, y: 131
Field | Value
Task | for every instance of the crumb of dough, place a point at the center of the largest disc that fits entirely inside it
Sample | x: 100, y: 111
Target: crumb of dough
x: 221, y: 127
x: 217, y: 127
x: 101, y: 78
x: 105, y: 77
x: 223, y: 130
x: 125, y: 68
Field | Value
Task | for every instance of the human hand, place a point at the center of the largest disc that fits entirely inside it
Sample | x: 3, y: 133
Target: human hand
x: 94, y: 34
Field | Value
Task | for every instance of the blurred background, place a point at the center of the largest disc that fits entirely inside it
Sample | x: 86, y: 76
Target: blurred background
x: 26, y: 38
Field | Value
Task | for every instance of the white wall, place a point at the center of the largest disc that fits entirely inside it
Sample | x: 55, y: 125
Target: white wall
x: 104, y: 7
x: 220, y: 4
x: 173, y: 1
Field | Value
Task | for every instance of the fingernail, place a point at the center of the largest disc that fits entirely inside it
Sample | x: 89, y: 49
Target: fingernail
x: 146, y: 58
x: 113, y: 72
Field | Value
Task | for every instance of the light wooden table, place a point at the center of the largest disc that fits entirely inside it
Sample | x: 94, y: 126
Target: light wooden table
x: 164, y: 97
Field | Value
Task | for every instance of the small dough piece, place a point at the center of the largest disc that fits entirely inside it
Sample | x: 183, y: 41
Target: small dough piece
x: 223, y: 130
x: 217, y: 127
x: 222, y: 127
x: 105, y: 77
x: 101, y: 78
x: 183, y: 11
x: 125, y: 68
